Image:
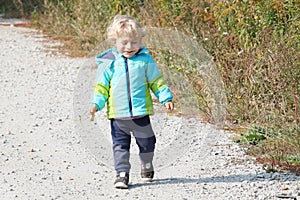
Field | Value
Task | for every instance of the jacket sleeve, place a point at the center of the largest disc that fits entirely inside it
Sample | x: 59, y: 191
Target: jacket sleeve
x: 101, y: 86
x: 157, y: 83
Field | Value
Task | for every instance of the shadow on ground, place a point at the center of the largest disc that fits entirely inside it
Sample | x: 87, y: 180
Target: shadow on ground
x: 217, y: 179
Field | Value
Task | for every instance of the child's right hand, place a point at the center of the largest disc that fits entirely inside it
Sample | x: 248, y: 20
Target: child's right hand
x: 93, y: 110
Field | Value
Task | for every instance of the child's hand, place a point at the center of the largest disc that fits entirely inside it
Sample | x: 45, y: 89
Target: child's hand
x: 169, y: 106
x: 93, y: 110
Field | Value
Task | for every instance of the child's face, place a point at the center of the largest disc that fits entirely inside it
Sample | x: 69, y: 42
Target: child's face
x: 128, y: 46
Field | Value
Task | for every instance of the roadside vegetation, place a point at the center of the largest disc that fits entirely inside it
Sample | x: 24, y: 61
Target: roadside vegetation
x: 254, y: 43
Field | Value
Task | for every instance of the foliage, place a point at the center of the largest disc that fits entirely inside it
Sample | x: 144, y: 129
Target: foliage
x: 20, y: 8
x: 253, y: 136
x: 279, y: 149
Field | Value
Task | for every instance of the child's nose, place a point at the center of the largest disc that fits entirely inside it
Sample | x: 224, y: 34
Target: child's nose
x: 128, y: 45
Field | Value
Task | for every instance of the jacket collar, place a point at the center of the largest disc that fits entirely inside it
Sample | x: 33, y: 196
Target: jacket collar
x: 143, y: 50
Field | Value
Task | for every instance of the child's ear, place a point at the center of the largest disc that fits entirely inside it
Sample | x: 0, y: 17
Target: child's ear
x: 112, y: 41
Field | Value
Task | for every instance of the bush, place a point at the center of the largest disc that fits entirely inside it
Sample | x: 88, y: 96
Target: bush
x: 20, y: 8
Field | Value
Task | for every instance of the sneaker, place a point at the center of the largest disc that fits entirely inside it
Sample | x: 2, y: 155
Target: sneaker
x: 147, y: 172
x: 122, y: 180
x: 147, y: 176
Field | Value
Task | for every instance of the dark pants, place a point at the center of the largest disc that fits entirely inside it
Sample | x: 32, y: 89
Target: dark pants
x: 121, y: 135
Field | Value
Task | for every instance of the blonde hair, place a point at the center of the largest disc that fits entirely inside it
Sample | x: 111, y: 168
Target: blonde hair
x: 124, y: 25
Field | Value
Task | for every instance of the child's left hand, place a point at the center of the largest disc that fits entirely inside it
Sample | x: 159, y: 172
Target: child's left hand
x: 169, y: 106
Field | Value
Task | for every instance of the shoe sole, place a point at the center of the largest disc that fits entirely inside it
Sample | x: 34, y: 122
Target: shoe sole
x: 121, y: 185
x: 147, y: 179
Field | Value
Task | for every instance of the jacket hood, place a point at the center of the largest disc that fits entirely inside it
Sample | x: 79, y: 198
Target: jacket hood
x: 112, y: 54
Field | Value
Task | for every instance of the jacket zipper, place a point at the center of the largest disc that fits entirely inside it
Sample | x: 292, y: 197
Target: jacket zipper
x: 128, y: 87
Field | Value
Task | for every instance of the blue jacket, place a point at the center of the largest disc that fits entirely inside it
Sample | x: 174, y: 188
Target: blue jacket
x: 125, y: 84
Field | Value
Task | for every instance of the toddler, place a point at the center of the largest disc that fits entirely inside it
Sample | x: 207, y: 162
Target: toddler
x: 126, y: 74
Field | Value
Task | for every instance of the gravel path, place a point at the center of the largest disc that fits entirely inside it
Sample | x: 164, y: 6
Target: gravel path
x: 50, y: 150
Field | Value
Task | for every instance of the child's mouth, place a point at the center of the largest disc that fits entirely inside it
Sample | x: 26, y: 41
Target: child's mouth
x: 129, y: 52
